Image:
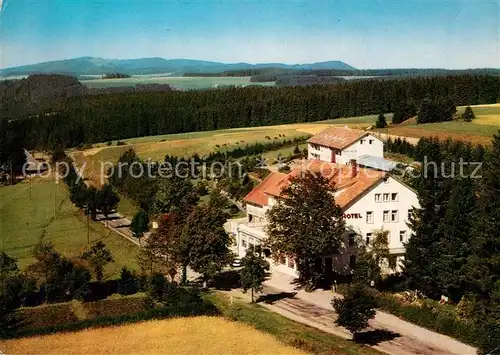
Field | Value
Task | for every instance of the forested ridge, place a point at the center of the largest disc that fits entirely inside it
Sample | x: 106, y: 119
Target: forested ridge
x: 97, y: 118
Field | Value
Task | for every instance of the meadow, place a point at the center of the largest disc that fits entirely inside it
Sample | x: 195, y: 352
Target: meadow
x: 47, y: 213
x: 178, y: 82
x: 479, y: 131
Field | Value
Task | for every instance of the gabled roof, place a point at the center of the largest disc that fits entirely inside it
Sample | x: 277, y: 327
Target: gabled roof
x: 348, y: 187
x: 337, y: 137
x: 257, y: 195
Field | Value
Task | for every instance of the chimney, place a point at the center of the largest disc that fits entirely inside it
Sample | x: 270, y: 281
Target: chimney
x: 354, y: 167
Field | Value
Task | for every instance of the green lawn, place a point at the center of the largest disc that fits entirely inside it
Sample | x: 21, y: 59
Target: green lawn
x: 24, y: 221
x: 127, y: 207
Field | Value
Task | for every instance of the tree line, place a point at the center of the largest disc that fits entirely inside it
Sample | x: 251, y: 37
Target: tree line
x: 98, y: 118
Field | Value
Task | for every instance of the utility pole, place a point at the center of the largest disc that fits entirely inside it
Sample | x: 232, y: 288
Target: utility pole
x: 31, y: 185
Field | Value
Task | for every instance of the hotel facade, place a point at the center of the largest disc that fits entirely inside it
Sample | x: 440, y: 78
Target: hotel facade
x: 370, y: 197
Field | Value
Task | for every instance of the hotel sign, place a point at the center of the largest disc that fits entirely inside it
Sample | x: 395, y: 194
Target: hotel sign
x: 352, y: 215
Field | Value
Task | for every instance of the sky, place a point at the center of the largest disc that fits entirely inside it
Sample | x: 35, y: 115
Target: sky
x: 364, y: 34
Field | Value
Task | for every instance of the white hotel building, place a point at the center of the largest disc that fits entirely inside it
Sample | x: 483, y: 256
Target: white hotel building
x: 370, y: 197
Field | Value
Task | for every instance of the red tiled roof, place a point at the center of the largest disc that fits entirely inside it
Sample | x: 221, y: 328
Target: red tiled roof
x: 257, y: 195
x: 349, y: 187
x: 337, y: 137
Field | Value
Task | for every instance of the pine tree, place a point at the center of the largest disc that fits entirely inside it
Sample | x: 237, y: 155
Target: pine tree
x: 485, y: 262
x: 468, y: 114
x: 381, y: 121
x: 140, y: 224
x: 307, y: 224
x: 433, y: 193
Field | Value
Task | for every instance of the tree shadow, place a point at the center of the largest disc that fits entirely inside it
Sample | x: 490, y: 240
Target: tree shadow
x: 373, y: 337
x: 273, y: 297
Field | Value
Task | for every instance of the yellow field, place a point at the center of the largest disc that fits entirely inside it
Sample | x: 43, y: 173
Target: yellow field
x: 186, y: 144
x: 200, y: 335
x: 479, y: 131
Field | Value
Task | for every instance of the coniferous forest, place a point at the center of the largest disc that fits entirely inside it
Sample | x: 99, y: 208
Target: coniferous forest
x: 83, y: 119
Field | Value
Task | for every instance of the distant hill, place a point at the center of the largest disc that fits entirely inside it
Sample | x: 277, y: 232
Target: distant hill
x: 99, y: 66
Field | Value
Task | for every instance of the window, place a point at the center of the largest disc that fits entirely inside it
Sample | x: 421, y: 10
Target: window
x: 352, y: 239
x: 386, y: 197
x: 368, y: 238
x: 377, y: 197
x: 402, y: 236
x: 291, y: 263
x: 361, y: 142
x: 243, y: 243
x: 281, y: 259
x: 371, y: 141
x: 369, y: 217
x: 315, y: 156
x: 394, y: 216
x: 386, y: 216
x: 394, y: 196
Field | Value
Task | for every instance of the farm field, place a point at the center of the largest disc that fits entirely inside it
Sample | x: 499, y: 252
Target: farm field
x: 178, y: 82
x: 186, y: 144
x: 479, y: 131
x: 24, y: 221
x: 191, y: 335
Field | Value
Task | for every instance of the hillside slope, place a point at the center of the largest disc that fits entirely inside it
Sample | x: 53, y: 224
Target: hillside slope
x: 99, y: 66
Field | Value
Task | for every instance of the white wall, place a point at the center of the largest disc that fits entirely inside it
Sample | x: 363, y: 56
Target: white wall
x: 356, y: 218
x: 406, y: 200
x: 367, y: 145
x: 324, y: 153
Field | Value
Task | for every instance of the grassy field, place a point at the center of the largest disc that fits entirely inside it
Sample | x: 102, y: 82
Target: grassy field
x: 24, y: 221
x: 192, y: 335
x: 286, y: 330
x: 184, y: 83
x: 480, y: 130
x: 186, y: 144
x: 486, y: 124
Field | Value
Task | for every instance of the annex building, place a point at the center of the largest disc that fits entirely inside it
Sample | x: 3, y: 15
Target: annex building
x: 370, y: 197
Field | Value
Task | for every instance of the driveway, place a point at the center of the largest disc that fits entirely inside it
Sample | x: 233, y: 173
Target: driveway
x: 389, y: 334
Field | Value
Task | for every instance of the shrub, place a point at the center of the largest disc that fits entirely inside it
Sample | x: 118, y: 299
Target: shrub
x: 128, y: 283
x: 439, y: 319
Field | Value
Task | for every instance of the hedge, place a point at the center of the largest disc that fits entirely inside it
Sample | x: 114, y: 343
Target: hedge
x: 60, y: 317
x: 431, y: 318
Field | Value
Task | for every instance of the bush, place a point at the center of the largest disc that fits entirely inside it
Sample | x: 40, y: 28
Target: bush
x: 128, y: 283
x: 438, y: 318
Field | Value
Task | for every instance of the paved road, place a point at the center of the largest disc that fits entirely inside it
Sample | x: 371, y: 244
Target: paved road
x: 398, y: 336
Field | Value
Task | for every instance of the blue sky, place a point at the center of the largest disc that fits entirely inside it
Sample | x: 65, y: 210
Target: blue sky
x: 365, y: 34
